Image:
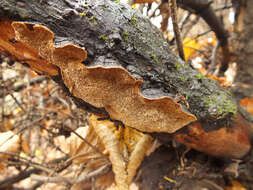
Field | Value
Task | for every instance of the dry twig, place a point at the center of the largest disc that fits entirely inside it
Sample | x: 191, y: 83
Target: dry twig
x: 173, y: 10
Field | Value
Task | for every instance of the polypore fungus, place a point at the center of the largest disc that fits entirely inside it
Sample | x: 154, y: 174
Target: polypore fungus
x: 111, y: 88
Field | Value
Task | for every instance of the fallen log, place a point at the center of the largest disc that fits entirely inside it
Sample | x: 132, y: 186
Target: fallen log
x: 112, y: 61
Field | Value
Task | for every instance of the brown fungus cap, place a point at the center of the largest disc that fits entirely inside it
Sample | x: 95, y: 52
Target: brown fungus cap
x: 23, y: 52
x: 112, y: 88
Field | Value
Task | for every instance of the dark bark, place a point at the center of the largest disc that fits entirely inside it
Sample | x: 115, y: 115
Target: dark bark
x: 114, y: 35
x: 243, y: 46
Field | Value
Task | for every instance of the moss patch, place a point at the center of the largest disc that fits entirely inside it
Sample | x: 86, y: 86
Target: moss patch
x: 125, y: 33
x: 220, y: 106
x: 82, y: 14
x: 93, y: 19
x: 134, y: 21
x: 154, y: 57
x: 199, y: 76
x: 103, y: 37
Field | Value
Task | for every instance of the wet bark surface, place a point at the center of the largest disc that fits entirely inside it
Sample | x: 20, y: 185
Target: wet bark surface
x: 116, y: 35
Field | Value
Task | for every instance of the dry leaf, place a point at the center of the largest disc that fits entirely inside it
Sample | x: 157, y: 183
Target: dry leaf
x: 124, y: 163
x: 235, y: 186
x: 191, y: 46
x: 248, y: 104
x: 9, y: 143
x: 79, y: 149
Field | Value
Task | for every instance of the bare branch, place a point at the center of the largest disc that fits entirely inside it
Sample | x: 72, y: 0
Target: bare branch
x: 173, y: 9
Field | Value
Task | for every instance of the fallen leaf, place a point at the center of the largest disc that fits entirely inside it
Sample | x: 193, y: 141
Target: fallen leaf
x: 248, y: 104
x: 235, y: 186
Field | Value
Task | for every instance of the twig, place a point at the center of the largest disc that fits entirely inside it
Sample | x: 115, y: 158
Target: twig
x: 223, y: 8
x: 78, y: 156
x: 173, y: 10
x: 59, y: 179
x: 199, y: 35
x: 19, y: 87
x: 16, y: 178
x: 17, y: 102
x: 3, y: 100
x: 211, y: 185
x: 185, y: 20
x: 213, y: 58
x: 28, y: 162
x: 191, y: 25
x: 99, y: 172
x: 88, y: 143
x: 25, y: 174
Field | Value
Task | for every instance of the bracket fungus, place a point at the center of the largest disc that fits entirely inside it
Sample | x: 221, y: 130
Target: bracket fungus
x: 109, y: 82
x: 111, y: 88
x: 226, y: 142
x: 21, y: 52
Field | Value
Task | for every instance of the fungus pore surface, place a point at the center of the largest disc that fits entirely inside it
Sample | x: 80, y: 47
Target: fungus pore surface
x: 112, y: 88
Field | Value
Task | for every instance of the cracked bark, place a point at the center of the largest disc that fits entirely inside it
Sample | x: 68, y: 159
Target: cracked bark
x: 114, y: 35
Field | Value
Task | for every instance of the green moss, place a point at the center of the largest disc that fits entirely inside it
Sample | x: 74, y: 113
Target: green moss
x: 125, y: 33
x: 102, y: 36
x: 199, y: 76
x: 117, y: 1
x: 93, y: 19
x: 82, y: 14
x: 209, y: 102
x: 162, y: 37
x: 182, y: 78
x: 223, y: 105
x: 178, y: 66
x: 231, y: 108
x: 134, y: 21
x: 154, y: 57
x: 219, y: 111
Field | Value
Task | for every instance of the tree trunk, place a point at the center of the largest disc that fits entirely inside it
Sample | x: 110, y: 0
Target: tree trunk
x: 244, y: 48
x: 244, y: 58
